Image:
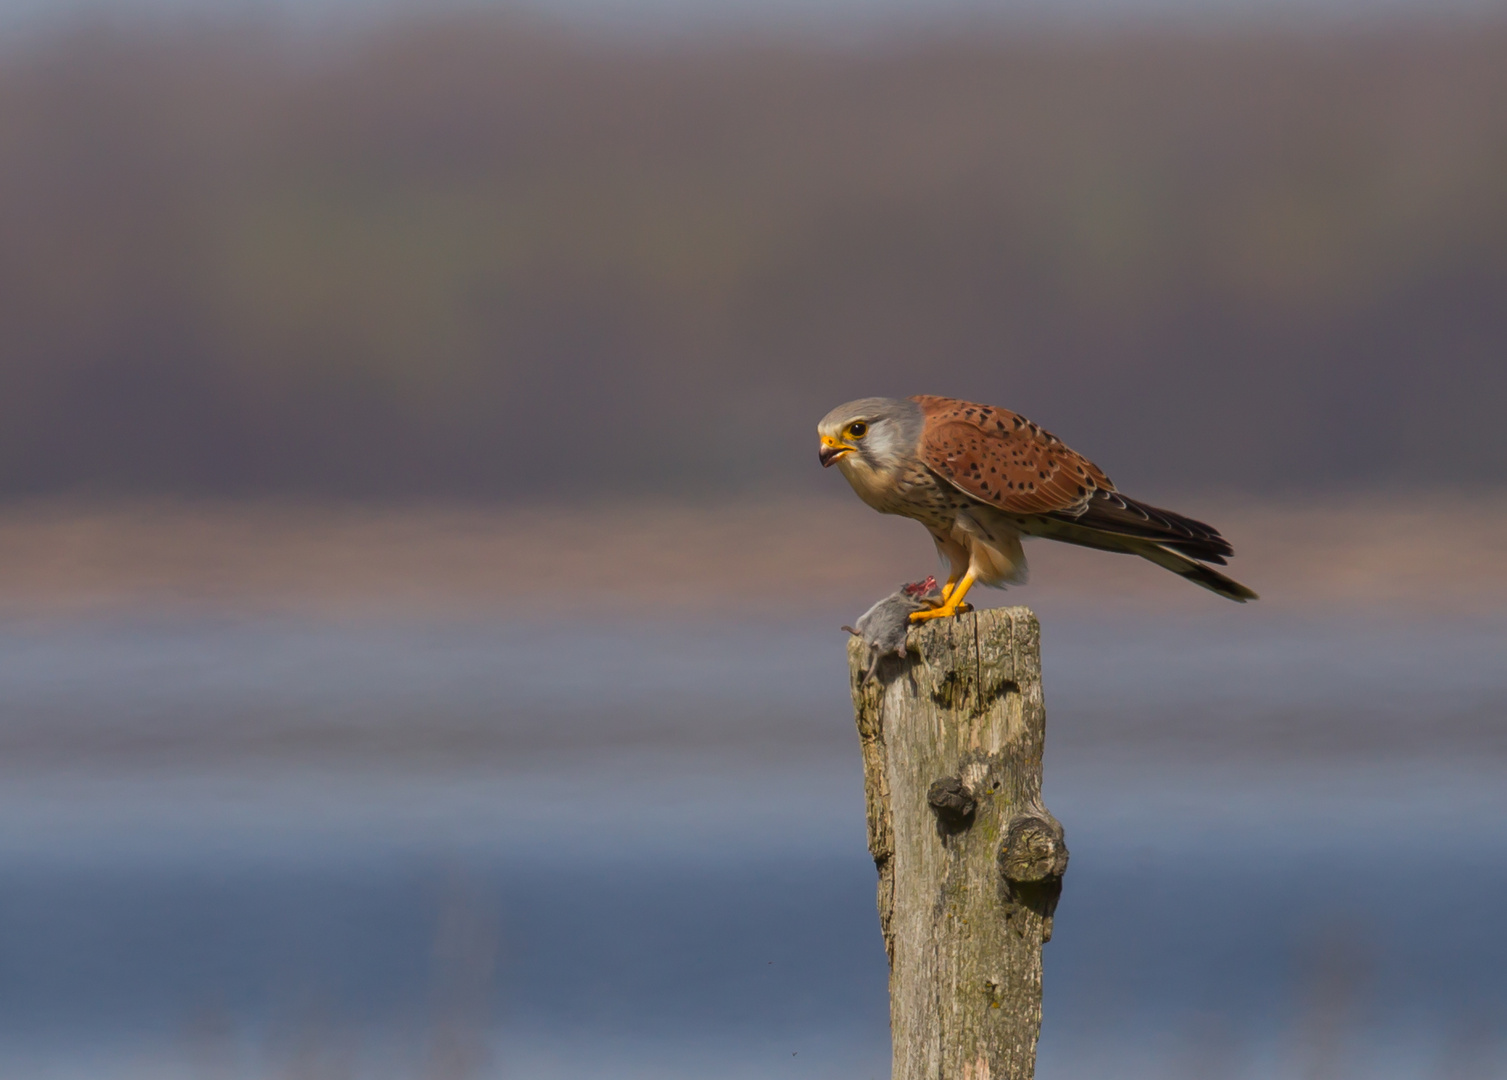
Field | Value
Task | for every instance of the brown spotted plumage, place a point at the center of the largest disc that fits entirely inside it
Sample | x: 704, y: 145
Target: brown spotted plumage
x: 980, y: 478
x: 1004, y: 459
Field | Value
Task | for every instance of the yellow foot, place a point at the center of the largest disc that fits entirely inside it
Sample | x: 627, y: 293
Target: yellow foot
x: 943, y: 612
x: 941, y: 601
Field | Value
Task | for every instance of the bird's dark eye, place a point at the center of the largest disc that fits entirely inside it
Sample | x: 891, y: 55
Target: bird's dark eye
x: 858, y: 429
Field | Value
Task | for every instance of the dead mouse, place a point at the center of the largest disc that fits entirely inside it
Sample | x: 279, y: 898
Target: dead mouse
x: 883, y: 627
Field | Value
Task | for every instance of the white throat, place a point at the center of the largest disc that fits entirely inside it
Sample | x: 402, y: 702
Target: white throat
x: 874, y: 486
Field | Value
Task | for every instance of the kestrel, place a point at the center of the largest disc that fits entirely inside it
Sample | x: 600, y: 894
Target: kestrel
x: 980, y: 478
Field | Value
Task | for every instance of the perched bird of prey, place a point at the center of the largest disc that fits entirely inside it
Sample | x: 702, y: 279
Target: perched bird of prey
x: 980, y: 478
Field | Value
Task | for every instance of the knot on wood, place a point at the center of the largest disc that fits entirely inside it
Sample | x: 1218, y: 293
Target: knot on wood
x: 952, y: 801
x: 1032, y: 860
x: 1034, y: 851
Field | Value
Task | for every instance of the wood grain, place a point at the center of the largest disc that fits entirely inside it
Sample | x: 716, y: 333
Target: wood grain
x: 966, y: 892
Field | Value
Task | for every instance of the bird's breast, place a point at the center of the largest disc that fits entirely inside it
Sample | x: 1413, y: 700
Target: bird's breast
x: 908, y: 491
x: 874, y: 486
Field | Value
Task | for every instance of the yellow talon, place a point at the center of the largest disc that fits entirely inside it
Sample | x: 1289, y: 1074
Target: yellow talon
x: 952, y: 601
x: 940, y: 613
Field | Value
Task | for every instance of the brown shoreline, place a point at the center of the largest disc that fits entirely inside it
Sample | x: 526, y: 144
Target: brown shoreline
x: 759, y: 557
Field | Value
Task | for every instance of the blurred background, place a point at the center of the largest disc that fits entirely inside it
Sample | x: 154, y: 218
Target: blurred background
x: 419, y: 598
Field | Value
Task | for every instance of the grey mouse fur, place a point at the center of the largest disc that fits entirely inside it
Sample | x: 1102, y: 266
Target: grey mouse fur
x: 884, y: 626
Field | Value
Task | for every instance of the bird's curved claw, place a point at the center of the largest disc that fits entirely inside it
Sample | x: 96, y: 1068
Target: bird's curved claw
x: 942, y: 612
x: 952, y: 601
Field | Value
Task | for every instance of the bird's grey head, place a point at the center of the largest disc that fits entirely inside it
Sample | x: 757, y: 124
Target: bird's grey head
x: 878, y: 432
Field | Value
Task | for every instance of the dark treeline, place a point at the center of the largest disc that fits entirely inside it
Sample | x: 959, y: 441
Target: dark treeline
x: 470, y: 257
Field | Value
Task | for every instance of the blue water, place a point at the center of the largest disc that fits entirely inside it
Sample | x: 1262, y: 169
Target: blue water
x: 269, y: 848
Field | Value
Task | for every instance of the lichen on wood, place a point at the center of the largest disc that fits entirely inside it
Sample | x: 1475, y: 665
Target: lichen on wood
x: 969, y: 860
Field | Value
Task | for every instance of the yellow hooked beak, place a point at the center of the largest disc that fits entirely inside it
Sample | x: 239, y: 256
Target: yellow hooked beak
x: 832, y: 449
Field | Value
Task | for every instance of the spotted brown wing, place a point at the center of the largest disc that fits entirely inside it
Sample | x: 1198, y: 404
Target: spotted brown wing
x: 1002, y: 458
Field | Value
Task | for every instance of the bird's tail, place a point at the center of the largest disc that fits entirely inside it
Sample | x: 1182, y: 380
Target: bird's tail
x: 1159, y: 551
x: 1194, y: 571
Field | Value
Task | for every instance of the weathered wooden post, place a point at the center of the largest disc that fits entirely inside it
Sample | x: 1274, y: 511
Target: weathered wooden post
x: 970, y: 862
